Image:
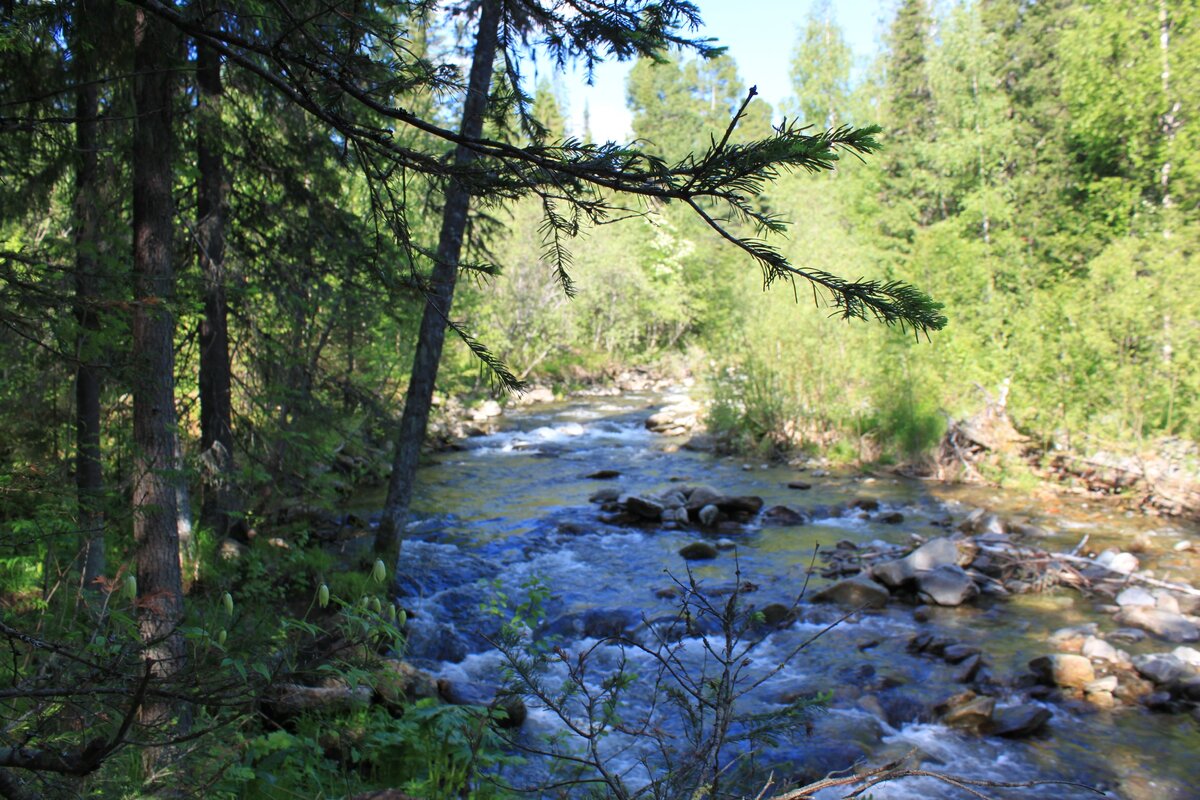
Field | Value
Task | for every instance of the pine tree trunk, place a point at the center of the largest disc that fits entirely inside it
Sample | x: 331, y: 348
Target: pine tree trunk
x: 155, y: 520
x: 218, y: 510
x: 89, y: 478
x: 432, y: 334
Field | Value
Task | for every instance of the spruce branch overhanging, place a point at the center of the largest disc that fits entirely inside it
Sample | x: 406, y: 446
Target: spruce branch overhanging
x: 353, y: 90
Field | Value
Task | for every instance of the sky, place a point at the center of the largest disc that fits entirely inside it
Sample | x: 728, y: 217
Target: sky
x: 760, y: 35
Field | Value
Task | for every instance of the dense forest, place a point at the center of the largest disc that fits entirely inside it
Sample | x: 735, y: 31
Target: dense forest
x: 235, y: 235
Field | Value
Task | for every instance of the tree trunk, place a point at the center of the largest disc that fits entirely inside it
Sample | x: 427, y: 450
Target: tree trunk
x: 89, y: 478
x: 432, y: 334
x: 218, y: 509
x: 155, y: 520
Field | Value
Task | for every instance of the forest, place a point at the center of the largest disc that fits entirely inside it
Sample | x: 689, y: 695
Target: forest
x: 270, y: 272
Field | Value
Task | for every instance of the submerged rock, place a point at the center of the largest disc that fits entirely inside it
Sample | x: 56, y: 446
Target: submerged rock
x: 609, y: 495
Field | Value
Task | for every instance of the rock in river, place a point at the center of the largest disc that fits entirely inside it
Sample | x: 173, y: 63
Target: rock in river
x: 1162, y: 668
x: 1063, y: 669
x: 931, y: 555
x: 947, y: 585
x: 1164, y: 624
x: 856, y: 592
x: 698, y: 551
x: 1015, y: 722
x: 644, y: 508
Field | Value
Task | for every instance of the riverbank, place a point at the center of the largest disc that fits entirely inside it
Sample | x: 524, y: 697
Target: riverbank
x: 1155, y: 478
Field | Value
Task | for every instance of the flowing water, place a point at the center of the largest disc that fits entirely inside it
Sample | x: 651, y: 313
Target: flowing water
x: 513, y: 506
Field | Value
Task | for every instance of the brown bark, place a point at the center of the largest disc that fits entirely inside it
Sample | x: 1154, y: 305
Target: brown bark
x: 218, y: 509
x: 432, y: 335
x: 155, y: 520
x: 89, y: 479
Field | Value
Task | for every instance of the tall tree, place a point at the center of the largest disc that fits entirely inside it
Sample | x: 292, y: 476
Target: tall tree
x: 155, y: 520
x: 911, y: 118
x: 218, y: 510
x: 89, y: 478
x: 820, y: 69
x: 681, y: 104
x: 432, y: 336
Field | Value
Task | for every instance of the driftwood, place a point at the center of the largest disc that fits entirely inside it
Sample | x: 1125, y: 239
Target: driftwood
x: 1158, y: 480
x: 969, y: 442
x: 1015, y: 555
x: 291, y: 699
x: 1182, y: 588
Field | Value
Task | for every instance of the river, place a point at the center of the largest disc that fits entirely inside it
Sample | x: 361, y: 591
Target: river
x: 512, y: 507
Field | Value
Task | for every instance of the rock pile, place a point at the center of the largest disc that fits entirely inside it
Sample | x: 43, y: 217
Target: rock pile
x: 701, y: 507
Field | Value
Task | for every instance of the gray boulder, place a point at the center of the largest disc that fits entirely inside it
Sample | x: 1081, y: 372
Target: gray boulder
x: 1016, y: 722
x: 645, y: 508
x: 1135, y: 596
x: 783, y: 516
x: 1161, y: 668
x: 947, y: 585
x: 608, y: 495
x: 1164, y: 624
x: 855, y: 592
x: 929, y: 556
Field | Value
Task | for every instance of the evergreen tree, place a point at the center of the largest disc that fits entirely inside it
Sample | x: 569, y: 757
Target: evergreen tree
x: 910, y: 183
x: 820, y: 70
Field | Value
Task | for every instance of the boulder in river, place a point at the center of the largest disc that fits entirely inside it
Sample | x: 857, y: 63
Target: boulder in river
x: 957, y: 653
x: 1099, y: 650
x: 1117, y: 561
x: 931, y: 555
x: 1063, y: 669
x: 947, y: 585
x: 644, y: 508
x: 1070, y: 640
x: 1161, y: 668
x: 595, y: 623
x: 744, y: 505
x: 783, y: 516
x: 608, y: 495
x: 1016, y: 722
x: 970, y: 669
x: 1164, y: 624
x: 1135, y: 596
x: 698, y: 551
x: 967, y: 710
x: 855, y: 592
x: 603, y: 475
